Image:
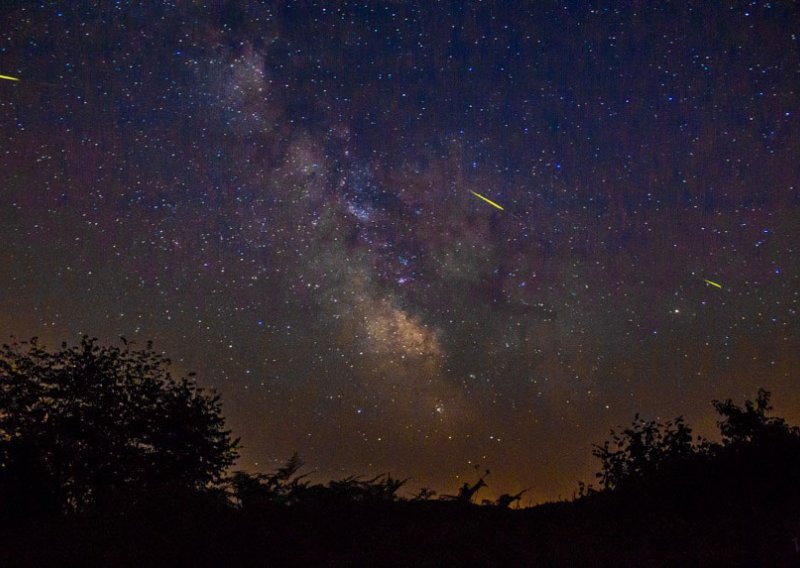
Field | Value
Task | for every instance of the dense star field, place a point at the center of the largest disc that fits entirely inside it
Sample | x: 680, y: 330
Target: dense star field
x: 280, y: 195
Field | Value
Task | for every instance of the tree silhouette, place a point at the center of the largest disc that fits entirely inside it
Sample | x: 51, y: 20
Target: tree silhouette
x: 756, y: 450
x: 642, y: 448
x: 83, y: 425
x: 749, y: 423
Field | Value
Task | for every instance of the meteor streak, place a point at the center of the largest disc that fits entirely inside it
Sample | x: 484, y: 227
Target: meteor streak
x: 8, y: 78
x: 487, y: 200
x: 712, y: 283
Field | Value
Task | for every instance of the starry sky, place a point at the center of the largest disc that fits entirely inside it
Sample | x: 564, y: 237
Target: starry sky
x: 279, y: 194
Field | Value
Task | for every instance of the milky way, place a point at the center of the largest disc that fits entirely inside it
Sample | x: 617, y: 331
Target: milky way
x: 280, y: 195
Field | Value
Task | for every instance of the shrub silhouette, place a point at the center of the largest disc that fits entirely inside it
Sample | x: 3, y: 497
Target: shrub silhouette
x: 282, y: 487
x: 750, y: 423
x: 424, y: 494
x: 286, y: 487
x: 753, y: 471
x: 84, y: 426
x: 506, y: 499
x: 466, y: 493
x: 641, y: 449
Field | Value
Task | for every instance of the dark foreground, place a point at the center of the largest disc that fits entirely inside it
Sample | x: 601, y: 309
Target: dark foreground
x: 593, y: 531
x: 107, y: 460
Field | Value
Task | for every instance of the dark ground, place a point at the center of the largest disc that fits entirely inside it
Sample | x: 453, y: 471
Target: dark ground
x: 599, y: 531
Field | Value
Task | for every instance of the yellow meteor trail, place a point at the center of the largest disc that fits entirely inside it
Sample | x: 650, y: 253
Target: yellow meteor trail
x: 8, y: 78
x: 712, y: 283
x: 487, y: 200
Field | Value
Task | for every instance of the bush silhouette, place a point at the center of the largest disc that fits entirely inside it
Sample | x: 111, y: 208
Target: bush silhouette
x: 752, y: 470
x: 286, y: 487
x: 750, y: 423
x: 641, y: 449
x: 84, y: 426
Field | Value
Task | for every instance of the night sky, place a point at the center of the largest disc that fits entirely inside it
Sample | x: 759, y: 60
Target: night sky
x: 279, y: 195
